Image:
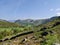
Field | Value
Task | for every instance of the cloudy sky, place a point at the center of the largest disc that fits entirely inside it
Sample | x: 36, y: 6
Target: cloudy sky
x: 29, y: 9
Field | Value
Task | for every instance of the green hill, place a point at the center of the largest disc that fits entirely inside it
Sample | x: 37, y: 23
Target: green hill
x: 8, y: 29
x: 6, y: 24
x: 50, y: 32
x: 43, y: 34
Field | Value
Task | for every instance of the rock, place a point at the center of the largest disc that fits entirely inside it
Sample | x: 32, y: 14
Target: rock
x: 1, y: 40
x: 44, y: 33
x: 56, y: 44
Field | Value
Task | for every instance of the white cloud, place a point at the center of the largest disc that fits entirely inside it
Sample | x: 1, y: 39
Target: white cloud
x: 58, y: 14
x: 58, y: 9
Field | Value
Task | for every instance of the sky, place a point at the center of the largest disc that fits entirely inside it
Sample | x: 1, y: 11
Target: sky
x: 29, y: 9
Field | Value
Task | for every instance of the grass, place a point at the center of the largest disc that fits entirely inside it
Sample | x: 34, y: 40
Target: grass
x: 7, y: 32
x: 48, y: 39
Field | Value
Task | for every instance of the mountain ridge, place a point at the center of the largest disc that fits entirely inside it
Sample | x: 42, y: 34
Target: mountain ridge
x: 36, y: 22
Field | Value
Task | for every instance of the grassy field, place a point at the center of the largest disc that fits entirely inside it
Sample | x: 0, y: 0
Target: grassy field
x: 6, y: 32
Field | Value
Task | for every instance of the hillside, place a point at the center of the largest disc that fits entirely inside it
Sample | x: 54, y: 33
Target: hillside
x: 6, y: 24
x: 44, y: 34
x: 34, y: 22
x: 8, y: 29
x: 50, y: 32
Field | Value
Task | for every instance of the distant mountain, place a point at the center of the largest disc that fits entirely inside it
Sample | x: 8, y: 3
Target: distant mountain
x: 11, y: 20
x: 25, y: 22
x: 31, y: 21
x: 35, y: 22
x: 55, y: 17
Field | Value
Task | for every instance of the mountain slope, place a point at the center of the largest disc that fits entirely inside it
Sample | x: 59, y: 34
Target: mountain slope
x: 35, y: 22
x: 44, y: 34
x: 4, y: 23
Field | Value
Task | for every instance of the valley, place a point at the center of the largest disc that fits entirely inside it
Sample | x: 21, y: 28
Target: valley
x: 48, y: 33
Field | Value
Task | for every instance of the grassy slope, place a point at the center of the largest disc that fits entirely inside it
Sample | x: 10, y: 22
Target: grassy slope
x: 6, y: 24
x: 54, y: 27
x: 48, y: 39
x: 8, y: 29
